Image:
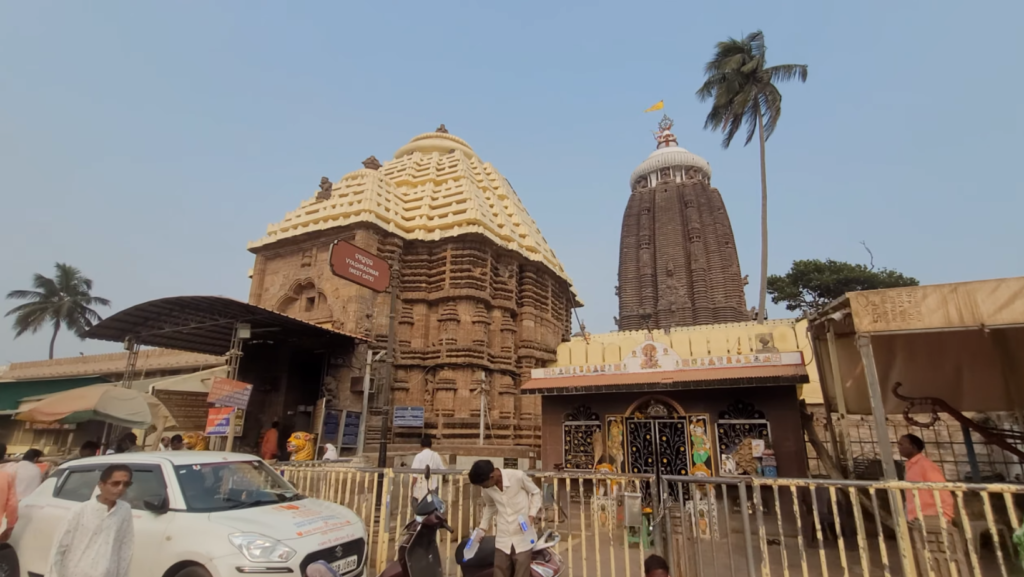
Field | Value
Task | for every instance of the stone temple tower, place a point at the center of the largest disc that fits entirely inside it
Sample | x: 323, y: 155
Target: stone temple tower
x: 677, y: 255
x: 481, y: 297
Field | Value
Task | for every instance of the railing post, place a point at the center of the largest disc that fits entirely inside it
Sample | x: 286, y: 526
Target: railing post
x: 745, y: 516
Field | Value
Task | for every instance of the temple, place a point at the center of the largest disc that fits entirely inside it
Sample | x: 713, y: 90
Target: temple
x: 481, y: 298
x: 677, y: 256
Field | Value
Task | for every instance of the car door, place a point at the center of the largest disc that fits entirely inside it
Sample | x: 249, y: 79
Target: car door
x: 148, y: 482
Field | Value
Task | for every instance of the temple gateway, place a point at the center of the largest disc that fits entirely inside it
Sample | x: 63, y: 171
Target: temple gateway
x: 481, y: 298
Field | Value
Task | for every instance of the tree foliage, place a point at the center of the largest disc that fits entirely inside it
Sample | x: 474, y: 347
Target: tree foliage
x: 811, y: 284
x: 64, y: 300
x: 741, y: 88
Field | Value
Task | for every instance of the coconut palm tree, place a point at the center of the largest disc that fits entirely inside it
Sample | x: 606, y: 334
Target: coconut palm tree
x: 64, y: 300
x: 742, y: 89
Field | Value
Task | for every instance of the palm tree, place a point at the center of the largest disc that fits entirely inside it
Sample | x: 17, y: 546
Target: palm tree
x: 62, y: 300
x: 742, y: 89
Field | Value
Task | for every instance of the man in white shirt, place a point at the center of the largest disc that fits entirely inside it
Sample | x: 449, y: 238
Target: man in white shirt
x: 26, y: 472
x: 97, y: 537
x: 509, y: 496
x: 425, y: 458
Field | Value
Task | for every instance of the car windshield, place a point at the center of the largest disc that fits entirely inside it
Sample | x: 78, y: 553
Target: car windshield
x: 224, y: 486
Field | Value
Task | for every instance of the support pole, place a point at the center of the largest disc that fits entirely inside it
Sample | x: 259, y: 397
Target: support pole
x: 844, y: 449
x: 389, y: 370
x: 972, y: 457
x: 483, y: 410
x: 240, y: 333
x: 366, y: 400
x: 885, y: 448
x: 877, y: 407
x: 110, y: 432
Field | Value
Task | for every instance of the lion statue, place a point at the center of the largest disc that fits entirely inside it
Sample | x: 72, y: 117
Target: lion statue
x: 301, y: 446
x: 196, y: 442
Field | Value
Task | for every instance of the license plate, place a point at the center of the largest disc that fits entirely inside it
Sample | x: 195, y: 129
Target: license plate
x: 347, y: 564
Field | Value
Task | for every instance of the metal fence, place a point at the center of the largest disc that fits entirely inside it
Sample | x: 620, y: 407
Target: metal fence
x: 713, y: 527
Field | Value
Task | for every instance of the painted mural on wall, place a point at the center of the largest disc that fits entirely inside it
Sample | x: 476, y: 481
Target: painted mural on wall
x: 654, y: 356
x: 742, y: 434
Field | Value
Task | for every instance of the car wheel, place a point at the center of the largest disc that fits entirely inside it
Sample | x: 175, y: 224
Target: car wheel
x: 9, y: 563
x: 193, y: 572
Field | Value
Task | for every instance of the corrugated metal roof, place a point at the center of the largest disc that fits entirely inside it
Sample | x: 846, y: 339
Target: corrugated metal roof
x: 202, y: 324
x: 668, y: 380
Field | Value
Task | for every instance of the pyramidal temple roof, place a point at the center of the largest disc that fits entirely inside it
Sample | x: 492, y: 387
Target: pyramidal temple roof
x: 435, y: 187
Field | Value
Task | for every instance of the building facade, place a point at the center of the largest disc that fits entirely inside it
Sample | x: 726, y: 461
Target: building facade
x: 677, y: 256
x: 481, y: 299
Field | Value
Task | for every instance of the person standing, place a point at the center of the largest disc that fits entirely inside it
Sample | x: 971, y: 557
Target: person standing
x: 26, y: 472
x: 930, y: 517
x: 512, y: 500
x: 9, y: 502
x: 178, y: 443
x: 97, y: 538
x: 425, y: 458
x: 165, y: 444
x: 268, y: 449
x: 656, y: 566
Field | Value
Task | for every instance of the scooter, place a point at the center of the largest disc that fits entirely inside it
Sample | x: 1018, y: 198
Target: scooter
x: 544, y: 562
x: 418, y: 555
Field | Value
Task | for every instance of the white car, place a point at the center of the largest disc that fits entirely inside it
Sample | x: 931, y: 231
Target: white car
x: 196, y: 514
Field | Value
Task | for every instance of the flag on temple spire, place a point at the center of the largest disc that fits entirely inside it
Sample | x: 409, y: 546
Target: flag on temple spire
x: 658, y: 106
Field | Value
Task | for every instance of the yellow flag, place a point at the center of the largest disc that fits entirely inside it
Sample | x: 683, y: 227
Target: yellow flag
x: 658, y: 106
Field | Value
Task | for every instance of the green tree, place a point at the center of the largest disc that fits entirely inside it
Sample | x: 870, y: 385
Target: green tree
x: 742, y: 89
x: 811, y: 284
x: 65, y: 299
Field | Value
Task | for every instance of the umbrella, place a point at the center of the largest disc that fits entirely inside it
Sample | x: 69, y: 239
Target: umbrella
x: 108, y: 403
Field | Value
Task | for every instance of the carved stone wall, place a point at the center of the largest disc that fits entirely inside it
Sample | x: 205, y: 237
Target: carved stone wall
x: 677, y: 256
x: 471, y: 316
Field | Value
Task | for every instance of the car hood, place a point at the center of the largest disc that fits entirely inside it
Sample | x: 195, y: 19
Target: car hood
x: 295, y: 520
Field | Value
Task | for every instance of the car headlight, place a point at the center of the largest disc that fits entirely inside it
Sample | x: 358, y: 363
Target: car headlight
x: 261, y: 549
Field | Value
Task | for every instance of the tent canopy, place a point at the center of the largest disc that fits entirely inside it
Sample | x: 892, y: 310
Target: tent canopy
x: 956, y: 342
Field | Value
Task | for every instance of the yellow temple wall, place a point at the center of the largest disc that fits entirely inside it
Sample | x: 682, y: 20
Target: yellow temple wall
x: 787, y: 335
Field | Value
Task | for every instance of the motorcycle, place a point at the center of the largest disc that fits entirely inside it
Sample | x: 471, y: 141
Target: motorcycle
x: 544, y: 562
x: 419, y: 556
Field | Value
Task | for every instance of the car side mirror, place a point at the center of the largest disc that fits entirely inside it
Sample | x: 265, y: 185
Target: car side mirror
x: 156, y: 504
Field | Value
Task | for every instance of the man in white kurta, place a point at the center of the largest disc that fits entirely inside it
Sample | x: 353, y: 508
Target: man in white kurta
x: 97, y: 537
x: 425, y: 458
x: 510, y: 499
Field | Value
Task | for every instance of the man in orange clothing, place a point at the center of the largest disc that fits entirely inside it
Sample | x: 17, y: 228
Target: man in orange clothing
x: 268, y: 450
x: 930, y: 546
x: 8, y: 499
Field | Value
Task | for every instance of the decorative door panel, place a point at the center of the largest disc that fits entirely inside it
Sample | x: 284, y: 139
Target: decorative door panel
x: 578, y: 449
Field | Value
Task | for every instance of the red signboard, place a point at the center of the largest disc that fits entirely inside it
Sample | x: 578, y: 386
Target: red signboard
x: 363, y: 268
x: 218, y: 422
x: 229, y: 393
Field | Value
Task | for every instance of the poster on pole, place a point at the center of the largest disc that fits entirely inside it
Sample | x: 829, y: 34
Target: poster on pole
x: 229, y: 393
x: 218, y: 421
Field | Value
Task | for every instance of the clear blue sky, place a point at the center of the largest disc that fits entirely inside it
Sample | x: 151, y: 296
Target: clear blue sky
x: 147, y: 142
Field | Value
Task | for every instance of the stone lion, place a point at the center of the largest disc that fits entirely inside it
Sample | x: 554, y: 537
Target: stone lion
x: 301, y: 446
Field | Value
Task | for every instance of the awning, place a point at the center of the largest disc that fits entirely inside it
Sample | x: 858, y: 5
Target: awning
x: 669, y: 380
x: 12, y: 392
x: 196, y: 382
x: 205, y: 324
x: 958, y: 342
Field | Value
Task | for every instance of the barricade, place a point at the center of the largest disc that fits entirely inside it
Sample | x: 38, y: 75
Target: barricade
x: 711, y: 527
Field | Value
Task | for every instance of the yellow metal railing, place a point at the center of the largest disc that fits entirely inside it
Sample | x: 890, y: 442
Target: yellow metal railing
x: 711, y: 526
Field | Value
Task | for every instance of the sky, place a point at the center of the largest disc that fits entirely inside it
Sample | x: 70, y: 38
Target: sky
x: 147, y: 142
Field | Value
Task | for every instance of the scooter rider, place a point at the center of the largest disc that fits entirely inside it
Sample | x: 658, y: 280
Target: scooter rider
x: 510, y: 498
